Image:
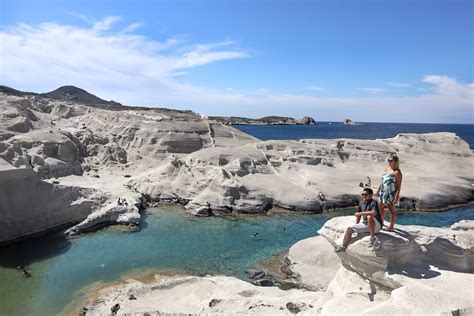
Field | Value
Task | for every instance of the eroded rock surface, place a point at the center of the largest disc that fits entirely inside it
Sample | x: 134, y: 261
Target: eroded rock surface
x: 181, y: 156
x: 410, y: 249
x: 86, y: 149
x: 312, y: 175
x: 29, y: 205
x: 314, y: 263
x: 203, y: 295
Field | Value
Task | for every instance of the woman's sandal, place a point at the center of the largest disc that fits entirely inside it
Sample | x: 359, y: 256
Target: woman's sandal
x: 388, y: 229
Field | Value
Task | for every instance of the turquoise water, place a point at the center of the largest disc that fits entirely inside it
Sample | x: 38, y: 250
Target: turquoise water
x: 169, y: 240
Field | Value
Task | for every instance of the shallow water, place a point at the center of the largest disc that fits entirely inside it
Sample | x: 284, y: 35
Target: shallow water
x: 169, y: 240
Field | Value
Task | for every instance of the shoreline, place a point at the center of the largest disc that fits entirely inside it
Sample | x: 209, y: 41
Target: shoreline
x: 60, y: 231
x: 276, y: 260
x: 280, y: 210
x: 87, y: 294
x: 91, y: 292
x: 322, y: 279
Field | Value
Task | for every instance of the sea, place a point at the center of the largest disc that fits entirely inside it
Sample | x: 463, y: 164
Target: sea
x: 332, y: 130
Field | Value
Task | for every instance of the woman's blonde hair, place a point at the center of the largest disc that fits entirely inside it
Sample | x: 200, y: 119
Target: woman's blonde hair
x: 395, y: 159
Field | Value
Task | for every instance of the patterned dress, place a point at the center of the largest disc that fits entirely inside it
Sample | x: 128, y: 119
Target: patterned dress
x: 388, y: 189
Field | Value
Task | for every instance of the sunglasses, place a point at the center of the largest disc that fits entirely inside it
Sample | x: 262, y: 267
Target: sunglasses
x: 390, y: 160
x: 364, y: 194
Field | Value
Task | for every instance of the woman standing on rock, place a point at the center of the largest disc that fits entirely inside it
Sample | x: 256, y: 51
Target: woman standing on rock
x: 389, y: 189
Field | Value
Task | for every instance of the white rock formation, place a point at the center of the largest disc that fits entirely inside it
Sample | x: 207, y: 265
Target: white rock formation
x: 292, y: 174
x: 314, y: 263
x: 57, y: 138
x: 412, y: 249
x: 91, y: 151
x: 219, y: 295
x: 169, y: 155
x: 29, y: 205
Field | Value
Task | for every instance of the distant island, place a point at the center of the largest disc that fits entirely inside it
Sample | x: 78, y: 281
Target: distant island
x: 350, y: 122
x: 267, y: 120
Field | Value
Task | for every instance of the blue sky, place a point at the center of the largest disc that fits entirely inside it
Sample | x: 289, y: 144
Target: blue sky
x: 404, y: 61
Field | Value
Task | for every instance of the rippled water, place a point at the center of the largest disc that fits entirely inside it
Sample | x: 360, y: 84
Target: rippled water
x: 365, y: 131
x: 170, y: 239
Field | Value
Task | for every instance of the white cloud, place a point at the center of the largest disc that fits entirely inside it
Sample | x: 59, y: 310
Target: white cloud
x: 445, y: 85
x: 115, y: 63
x: 372, y: 90
x: 132, y: 27
x: 49, y: 55
x: 105, y: 24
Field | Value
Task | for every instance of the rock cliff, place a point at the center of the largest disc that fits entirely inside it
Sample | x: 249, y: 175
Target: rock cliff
x: 29, y: 205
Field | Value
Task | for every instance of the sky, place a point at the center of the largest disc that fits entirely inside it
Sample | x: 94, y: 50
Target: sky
x: 371, y: 60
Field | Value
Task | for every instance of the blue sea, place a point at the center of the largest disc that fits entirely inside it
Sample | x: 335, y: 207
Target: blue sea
x: 364, y: 131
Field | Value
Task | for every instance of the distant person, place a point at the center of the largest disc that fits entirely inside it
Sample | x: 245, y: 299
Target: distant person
x: 84, y: 311
x: 369, y: 183
x: 371, y: 220
x: 115, y: 309
x: 25, y: 273
x: 389, y: 189
x: 119, y: 201
x: 321, y: 196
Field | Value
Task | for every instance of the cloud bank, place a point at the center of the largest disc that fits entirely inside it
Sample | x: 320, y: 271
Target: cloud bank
x: 116, y: 63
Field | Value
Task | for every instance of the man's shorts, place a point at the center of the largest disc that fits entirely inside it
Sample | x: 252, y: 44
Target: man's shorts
x: 364, y: 228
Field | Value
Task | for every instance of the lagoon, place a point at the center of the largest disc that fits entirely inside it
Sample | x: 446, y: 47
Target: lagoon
x: 170, y: 240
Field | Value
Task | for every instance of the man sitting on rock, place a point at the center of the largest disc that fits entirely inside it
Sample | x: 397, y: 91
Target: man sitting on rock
x: 371, y: 220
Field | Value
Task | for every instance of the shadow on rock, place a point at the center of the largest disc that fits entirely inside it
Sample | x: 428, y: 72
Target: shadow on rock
x: 418, y: 272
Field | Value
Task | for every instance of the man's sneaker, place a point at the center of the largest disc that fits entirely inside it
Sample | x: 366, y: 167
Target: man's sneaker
x: 340, y: 248
x: 372, y: 241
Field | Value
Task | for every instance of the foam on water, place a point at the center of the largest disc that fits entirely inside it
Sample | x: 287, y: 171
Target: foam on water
x: 169, y: 240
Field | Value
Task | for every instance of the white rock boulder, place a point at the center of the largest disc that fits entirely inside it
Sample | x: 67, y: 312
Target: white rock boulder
x: 411, y: 250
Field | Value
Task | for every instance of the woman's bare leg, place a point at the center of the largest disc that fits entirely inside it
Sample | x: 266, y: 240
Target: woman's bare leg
x: 382, y: 212
x: 393, y: 217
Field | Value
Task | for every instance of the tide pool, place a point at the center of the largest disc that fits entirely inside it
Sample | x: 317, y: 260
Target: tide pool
x: 169, y: 240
